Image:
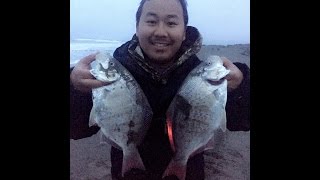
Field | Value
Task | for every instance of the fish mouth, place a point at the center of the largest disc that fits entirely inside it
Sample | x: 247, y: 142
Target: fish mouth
x: 215, y: 81
x: 209, y: 68
x: 103, y: 69
x: 108, y: 76
x: 112, y: 75
x: 215, y: 74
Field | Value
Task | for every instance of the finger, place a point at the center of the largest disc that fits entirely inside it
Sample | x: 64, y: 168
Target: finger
x: 88, y: 59
x: 84, y: 73
x: 229, y: 76
x: 91, y: 83
x: 226, y: 62
x: 231, y: 73
x: 228, y: 65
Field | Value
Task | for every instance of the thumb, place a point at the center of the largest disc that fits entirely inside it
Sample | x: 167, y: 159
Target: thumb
x: 226, y: 62
x: 228, y: 65
x: 88, y: 59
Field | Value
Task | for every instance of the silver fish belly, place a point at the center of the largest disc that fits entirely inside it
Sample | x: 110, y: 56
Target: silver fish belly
x: 196, y: 113
x: 120, y: 109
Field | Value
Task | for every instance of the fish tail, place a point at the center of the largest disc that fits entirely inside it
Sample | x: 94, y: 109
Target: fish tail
x: 131, y: 160
x: 177, y: 168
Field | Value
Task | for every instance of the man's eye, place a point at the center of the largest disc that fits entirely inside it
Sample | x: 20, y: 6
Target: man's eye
x: 151, y: 22
x: 172, y: 23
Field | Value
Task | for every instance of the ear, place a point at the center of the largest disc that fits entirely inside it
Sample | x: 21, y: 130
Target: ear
x: 137, y: 30
x: 184, y: 34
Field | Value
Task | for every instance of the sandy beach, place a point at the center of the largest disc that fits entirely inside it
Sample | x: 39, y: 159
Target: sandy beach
x: 90, y: 160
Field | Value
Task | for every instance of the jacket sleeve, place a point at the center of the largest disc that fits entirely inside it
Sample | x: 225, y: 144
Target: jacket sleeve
x: 238, y: 103
x: 80, y: 107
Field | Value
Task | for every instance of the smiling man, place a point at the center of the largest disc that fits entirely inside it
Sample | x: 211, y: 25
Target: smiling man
x: 159, y: 56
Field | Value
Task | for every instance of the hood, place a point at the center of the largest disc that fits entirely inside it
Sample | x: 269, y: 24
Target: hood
x: 190, y: 46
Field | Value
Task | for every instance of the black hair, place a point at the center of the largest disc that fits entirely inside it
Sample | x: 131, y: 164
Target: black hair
x: 184, y: 9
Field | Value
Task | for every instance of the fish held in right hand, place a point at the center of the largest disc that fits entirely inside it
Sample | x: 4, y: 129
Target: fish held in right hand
x: 197, y: 114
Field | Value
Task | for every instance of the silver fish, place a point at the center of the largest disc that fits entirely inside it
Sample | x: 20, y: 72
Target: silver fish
x: 120, y: 109
x: 196, y: 113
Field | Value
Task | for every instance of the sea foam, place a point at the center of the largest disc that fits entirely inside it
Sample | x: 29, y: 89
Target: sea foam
x: 82, y: 47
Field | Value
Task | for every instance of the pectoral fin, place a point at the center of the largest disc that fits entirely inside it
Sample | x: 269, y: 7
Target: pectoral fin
x: 92, y: 120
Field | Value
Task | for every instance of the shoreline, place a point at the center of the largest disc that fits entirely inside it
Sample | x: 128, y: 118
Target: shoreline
x: 236, y: 53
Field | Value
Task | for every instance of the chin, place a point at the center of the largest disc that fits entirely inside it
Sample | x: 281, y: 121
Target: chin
x: 161, y: 59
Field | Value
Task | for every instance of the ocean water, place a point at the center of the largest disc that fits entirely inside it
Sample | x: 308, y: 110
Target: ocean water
x: 80, y: 48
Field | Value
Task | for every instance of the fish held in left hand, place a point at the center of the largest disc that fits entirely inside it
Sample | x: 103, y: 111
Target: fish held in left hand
x: 120, y: 109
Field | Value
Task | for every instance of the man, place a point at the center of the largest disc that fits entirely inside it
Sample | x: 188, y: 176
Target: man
x: 159, y: 56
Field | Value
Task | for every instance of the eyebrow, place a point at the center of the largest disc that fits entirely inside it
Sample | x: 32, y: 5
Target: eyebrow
x: 172, y: 16
x: 155, y: 15
x: 151, y: 14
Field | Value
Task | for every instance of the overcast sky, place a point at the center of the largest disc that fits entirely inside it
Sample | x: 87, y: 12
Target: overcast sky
x: 221, y: 22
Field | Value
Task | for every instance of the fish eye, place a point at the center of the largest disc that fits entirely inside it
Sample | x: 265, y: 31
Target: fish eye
x: 111, y: 63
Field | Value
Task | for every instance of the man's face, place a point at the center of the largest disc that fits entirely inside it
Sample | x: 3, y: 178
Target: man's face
x: 161, y: 29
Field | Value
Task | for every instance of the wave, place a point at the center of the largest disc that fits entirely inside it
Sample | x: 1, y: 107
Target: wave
x: 79, y: 40
x: 91, y: 44
x: 80, y: 48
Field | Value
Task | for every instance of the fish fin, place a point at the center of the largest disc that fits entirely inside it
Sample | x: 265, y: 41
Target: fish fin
x: 223, y: 124
x: 199, y: 150
x: 103, y: 138
x: 131, y: 159
x: 177, y: 168
x: 92, y: 121
x: 209, y: 145
x: 213, y: 142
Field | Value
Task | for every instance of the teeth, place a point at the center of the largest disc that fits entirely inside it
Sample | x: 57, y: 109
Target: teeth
x: 160, y: 44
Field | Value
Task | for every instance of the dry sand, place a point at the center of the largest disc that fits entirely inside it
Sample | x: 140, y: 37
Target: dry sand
x: 90, y: 160
x: 236, y: 53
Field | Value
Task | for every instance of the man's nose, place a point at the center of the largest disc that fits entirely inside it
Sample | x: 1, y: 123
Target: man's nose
x: 161, y: 30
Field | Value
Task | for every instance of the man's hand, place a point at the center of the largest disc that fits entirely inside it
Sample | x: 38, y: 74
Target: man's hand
x: 81, y: 78
x: 234, y: 77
